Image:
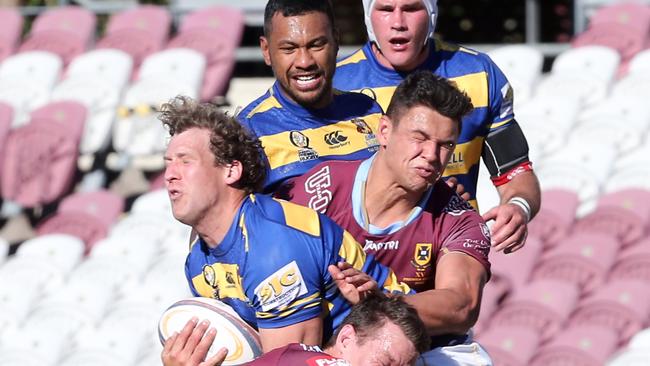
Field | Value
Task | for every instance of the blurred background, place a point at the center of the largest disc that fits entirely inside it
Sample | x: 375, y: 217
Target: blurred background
x: 90, y: 255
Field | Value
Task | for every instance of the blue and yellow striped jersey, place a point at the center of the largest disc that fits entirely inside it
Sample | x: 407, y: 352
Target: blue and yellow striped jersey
x: 296, y: 138
x: 271, y: 266
x: 472, y: 71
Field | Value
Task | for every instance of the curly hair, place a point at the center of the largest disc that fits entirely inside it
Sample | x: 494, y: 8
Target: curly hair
x: 229, y: 140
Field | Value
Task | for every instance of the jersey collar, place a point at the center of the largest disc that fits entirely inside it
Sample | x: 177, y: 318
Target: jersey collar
x: 359, y: 203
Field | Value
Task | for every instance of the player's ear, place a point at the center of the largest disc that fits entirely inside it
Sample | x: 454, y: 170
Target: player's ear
x: 346, y: 337
x: 233, y: 172
x: 266, y: 53
x: 384, y: 130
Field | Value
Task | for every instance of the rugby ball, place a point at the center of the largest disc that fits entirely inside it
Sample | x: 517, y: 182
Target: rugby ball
x: 241, y: 340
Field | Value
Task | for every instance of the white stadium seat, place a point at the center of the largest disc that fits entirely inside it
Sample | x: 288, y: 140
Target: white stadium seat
x: 34, y: 66
x: 180, y: 65
x: 104, y: 65
x: 64, y: 251
x: 640, y: 64
x: 33, y: 345
x: 598, y: 62
x: 522, y: 65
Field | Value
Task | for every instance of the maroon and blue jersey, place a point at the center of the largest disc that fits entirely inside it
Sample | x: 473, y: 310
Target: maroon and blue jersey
x: 441, y: 223
x: 296, y: 354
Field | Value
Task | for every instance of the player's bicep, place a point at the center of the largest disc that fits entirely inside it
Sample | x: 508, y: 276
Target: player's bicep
x: 462, y: 274
x: 307, y: 332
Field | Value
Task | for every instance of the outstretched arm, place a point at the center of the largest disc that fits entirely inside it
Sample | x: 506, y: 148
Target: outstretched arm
x: 453, y: 306
x: 511, y: 219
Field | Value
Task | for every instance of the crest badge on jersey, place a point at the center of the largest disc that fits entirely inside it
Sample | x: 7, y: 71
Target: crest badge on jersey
x: 423, y: 253
x: 364, y: 128
x: 301, y: 141
x: 210, y: 277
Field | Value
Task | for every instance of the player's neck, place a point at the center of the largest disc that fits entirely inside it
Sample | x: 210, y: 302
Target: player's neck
x: 386, y: 202
x: 217, y: 221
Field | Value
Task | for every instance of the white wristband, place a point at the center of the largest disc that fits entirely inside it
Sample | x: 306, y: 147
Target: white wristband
x: 521, y: 202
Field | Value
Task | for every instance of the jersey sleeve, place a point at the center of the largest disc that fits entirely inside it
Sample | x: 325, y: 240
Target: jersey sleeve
x: 464, y: 230
x: 501, y: 97
x: 188, y: 277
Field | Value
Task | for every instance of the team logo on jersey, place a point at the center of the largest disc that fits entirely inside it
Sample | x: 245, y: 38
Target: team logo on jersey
x: 210, y: 277
x: 317, y: 185
x: 485, y: 230
x: 422, y: 257
x: 281, y: 288
x: 299, y: 140
x: 364, y: 128
x: 335, y: 139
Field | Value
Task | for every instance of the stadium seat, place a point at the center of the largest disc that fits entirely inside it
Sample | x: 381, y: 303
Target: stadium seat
x: 510, y: 345
x: 32, y: 273
x: 116, y: 346
x: 137, y: 121
x: 517, y: 267
x: 64, y: 251
x: 591, y: 61
x: 522, y: 65
x: 137, y: 251
x: 626, y: 111
x: 620, y: 305
x: 11, y: 26
x: 104, y: 205
x: 493, y: 293
x: 112, y: 272
x: 87, y: 227
x: 242, y: 91
x: 549, y: 119
x: 199, y: 30
x: 578, y: 346
x: 139, y: 32
x: 33, y: 345
x: 17, y: 301
x: 108, y: 65
x: 640, y: 63
x: 26, y: 80
x: 154, y: 201
x: 624, y: 214
x: 583, y: 259
x: 556, y: 216
x: 633, y: 263
x: 65, y: 31
x: 632, y: 86
x: 630, y: 357
x: 6, y: 119
x: 641, y: 340
x: 180, y: 65
x: 625, y: 40
x: 542, y: 305
x: 4, y: 250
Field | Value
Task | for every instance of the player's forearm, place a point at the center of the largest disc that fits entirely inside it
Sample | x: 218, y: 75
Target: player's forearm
x: 524, y: 185
x: 445, y: 311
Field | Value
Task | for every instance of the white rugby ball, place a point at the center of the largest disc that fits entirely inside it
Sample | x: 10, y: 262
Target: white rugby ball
x: 241, y: 340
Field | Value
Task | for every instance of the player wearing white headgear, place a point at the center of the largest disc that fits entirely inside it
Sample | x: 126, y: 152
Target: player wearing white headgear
x: 401, y: 40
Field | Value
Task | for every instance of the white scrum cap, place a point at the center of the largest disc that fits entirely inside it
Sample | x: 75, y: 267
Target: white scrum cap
x: 432, y: 9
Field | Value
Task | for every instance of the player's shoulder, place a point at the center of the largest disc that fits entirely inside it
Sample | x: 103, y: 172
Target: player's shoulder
x: 463, y: 54
x: 446, y: 201
x: 281, y: 217
x: 354, y: 104
x: 257, y: 107
x: 353, y: 60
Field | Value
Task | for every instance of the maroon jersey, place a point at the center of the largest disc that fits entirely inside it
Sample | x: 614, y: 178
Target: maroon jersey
x: 443, y: 222
x: 297, y: 355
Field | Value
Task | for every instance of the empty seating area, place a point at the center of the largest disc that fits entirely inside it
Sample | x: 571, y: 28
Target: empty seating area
x: 90, y: 254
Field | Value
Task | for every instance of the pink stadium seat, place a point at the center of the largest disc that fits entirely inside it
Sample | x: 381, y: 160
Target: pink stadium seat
x: 583, y: 259
x: 631, y: 15
x: 619, y: 37
x: 633, y: 263
x: 516, y: 267
x: 620, y: 305
x: 82, y: 225
x: 578, y: 346
x: 220, y: 57
x: 226, y: 21
x: 556, y: 216
x: 104, y: 205
x: 11, y: 26
x: 625, y: 214
x: 493, y: 293
x: 66, y: 31
x: 41, y: 157
x: 137, y: 43
x: 151, y: 19
x: 542, y: 305
x: 6, y: 116
x: 510, y: 345
x: 73, y: 20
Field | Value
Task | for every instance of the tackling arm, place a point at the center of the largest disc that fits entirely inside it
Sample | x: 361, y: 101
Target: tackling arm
x: 453, y: 306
